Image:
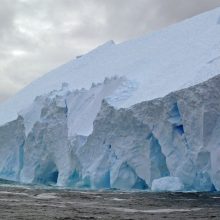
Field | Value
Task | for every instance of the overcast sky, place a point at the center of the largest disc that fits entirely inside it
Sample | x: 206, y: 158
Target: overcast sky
x: 39, y: 35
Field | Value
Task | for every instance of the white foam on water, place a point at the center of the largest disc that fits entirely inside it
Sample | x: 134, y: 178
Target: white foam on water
x: 46, y: 196
x: 155, y: 210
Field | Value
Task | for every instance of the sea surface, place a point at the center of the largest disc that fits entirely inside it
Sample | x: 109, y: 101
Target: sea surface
x: 46, y: 203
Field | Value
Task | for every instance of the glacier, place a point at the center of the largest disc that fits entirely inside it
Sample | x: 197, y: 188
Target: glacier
x: 140, y: 115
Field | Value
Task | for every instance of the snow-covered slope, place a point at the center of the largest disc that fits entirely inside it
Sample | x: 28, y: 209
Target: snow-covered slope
x: 165, y: 61
x: 118, y: 117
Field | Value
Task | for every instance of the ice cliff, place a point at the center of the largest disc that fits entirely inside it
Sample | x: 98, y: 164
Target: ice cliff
x: 144, y: 114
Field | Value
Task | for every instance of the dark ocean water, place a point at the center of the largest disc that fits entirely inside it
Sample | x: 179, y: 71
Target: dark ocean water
x: 45, y: 203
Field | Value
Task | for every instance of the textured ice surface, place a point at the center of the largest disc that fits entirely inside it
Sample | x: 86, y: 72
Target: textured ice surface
x: 167, y: 184
x: 169, y: 143
x: 110, y: 134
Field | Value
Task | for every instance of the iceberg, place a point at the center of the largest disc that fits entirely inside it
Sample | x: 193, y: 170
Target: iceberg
x: 140, y: 115
x: 167, y: 184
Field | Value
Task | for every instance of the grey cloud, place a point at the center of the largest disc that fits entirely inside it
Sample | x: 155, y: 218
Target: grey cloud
x: 38, y: 35
x: 7, y: 14
x: 3, y: 96
x: 129, y: 18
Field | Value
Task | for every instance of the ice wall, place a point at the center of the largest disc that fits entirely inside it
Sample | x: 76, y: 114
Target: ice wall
x: 175, y: 137
x: 12, y: 139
